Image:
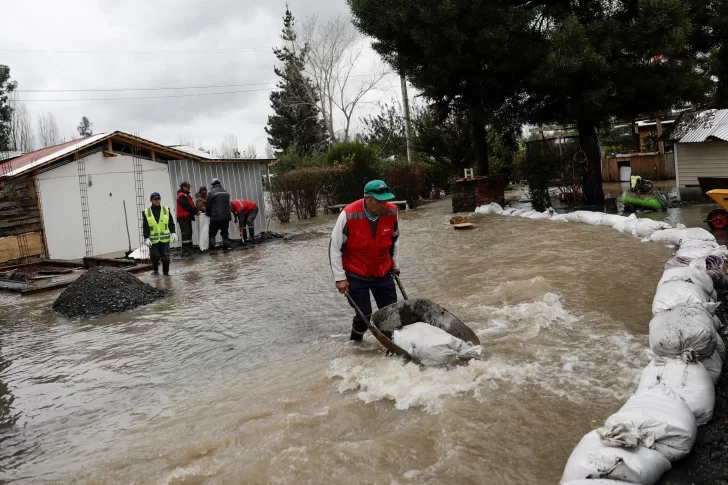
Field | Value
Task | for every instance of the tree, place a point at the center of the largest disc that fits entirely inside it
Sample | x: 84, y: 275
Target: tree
x: 186, y: 140
x: 7, y: 86
x: 22, y: 137
x: 386, y: 131
x: 472, y: 58
x: 47, y: 129
x: 333, y: 51
x: 85, y: 127
x: 709, y: 43
x: 229, y: 147
x: 295, y: 124
x: 623, y: 59
x: 251, y: 153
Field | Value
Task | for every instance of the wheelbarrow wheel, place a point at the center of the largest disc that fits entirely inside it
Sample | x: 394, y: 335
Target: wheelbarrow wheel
x: 718, y: 219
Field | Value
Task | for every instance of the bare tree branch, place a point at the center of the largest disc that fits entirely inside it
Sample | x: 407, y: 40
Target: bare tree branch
x: 47, y: 130
x: 22, y: 137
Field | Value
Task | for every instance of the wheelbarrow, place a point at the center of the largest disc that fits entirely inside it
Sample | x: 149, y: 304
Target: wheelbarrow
x: 718, y: 218
x: 385, y: 321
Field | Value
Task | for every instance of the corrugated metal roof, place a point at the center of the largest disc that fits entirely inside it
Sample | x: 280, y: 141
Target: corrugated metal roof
x: 44, y: 155
x: 10, y: 154
x: 698, y: 127
x: 194, y: 151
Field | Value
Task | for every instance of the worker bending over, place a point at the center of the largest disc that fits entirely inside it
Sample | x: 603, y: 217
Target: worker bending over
x: 245, y: 212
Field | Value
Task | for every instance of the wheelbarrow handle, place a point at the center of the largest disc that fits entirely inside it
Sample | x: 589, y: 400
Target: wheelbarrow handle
x: 383, y: 339
x: 399, y: 283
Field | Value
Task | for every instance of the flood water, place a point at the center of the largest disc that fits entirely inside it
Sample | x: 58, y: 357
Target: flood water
x: 245, y: 373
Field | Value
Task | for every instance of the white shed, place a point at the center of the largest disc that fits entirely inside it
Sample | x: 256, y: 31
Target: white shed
x: 701, y: 152
x: 90, y: 192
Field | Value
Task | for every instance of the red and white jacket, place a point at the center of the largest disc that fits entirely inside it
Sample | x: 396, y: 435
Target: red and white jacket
x: 354, y: 250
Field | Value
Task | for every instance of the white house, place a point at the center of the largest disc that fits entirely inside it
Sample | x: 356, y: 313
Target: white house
x: 85, y: 197
x: 701, y: 152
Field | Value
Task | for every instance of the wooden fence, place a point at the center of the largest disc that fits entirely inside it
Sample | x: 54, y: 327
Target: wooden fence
x: 652, y: 166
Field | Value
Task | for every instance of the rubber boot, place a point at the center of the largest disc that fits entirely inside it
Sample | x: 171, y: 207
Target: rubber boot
x: 165, y: 268
x: 251, y: 232
x: 212, y: 244
x: 245, y: 236
x: 225, y: 245
x: 155, y: 268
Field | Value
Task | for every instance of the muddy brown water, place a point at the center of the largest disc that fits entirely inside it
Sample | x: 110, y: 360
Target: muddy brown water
x: 245, y: 375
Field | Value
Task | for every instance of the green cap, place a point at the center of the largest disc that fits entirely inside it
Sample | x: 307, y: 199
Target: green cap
x: 379, y: 190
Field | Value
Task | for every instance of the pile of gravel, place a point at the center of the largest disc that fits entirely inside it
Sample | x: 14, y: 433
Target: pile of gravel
x: 102, y: 291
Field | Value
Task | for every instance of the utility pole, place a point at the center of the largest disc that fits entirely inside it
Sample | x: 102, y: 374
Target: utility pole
x: 405, y: 104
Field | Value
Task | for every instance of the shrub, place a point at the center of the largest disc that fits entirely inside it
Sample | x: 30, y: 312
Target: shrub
x: 407, y: 180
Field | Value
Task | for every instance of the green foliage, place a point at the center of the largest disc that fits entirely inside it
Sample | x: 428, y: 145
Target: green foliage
x: 294, y: 160
x: 295, y: 126
x: 7, y: 86
x: 615, y: 140
x: 386, y: 132
x: 406, y: 180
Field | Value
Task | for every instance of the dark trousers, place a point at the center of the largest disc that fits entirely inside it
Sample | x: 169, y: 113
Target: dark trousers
x: 248, y: 220
x: 185, y: 227
x: 221, y: 226
x: 159, y: 251
x: 383, y: 291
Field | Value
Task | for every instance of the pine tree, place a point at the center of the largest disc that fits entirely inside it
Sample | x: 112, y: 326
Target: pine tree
x: 6, y: 88
x: 85, y: 127
x: 296, y: 125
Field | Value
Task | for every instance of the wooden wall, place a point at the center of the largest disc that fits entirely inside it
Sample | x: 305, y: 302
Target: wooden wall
x: 19, y: 214
x: 649, y: 166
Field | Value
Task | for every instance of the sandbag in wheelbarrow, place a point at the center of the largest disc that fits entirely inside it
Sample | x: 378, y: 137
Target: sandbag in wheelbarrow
x: 431, y: 344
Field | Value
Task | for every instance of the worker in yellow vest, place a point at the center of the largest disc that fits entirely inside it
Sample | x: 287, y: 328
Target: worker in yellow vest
x: 158, y: 232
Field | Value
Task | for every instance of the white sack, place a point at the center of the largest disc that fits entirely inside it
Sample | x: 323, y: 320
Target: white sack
x: 591, y: 218
x: 689, y: 381
x: 665, y: 236
x: 528, y: 213
x: 540, y: 215
x: 140, y: 253
x: 714, y: 366
x: 560, y: 217
x: 516, y: 212
x: 203, y: 223
x: 434, y: 346
x: 692, y: 234
x: 628, y: 225
x: 673, y: 294
x: 574, y: 216
x: 683, y: 332
x: 645, y: 227
x: 611, y: 220
x: 690, y: 274
x: 592, y: 459
x: 720, y: 347
x: 492, y: 208
x: 597, y: 482
x: 697, y: 243
x: 656, y: 418
x: 701, y: 249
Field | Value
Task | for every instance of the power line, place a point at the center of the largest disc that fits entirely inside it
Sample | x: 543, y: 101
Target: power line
x: 208, y: 51
x: 147, y: 97
x: 360, y: 76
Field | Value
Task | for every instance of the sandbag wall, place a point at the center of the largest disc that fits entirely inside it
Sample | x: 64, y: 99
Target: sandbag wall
x: 676, y: 391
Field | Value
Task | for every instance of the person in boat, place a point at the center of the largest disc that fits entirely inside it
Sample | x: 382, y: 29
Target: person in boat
x: 363, y: 251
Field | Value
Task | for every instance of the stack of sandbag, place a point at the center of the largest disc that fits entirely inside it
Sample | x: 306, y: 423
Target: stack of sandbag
x: 684, y: 286
x: 714, y: 265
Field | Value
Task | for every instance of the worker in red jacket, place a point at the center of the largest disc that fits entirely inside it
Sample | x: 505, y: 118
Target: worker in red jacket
x: 363, y: 251
x: 245, y: 212
x: 186, y: 212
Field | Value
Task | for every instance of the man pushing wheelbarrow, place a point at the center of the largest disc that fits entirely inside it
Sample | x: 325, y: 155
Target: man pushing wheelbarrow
x: 363, y: 252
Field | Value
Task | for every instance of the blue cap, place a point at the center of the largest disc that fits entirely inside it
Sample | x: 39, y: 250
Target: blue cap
x: 155, y: 195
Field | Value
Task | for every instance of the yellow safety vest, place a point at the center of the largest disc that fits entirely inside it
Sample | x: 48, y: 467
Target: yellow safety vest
x: 158, y: 231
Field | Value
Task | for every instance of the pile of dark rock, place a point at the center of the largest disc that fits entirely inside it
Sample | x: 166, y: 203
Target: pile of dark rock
x: 102, y: 291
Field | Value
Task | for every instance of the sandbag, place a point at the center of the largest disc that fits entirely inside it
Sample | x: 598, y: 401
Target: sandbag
x: 698, y: 243
x: 690, y: 274
x: 508, y: 211
x: 598, y: 481
x: 628, y: 225
x: 691, y: 234
x: 611, y: 220
x: 689, y: 381
x: 541, y: 215
x: 516, y: 212
x: 672, y: 294
x: 655, y: 418
x: 720, y: 345
x: 593, y: 459
x: 492, y: 208
x: 560, y: 218
x: 666, y: 235
x: 203, y: 231
x: 528, y: 213
x: 433, y: 346
x: 591, y: 218
x: 574, y: 216
x: 645, y: 227
x: 683, y: 332
x: 714, y: 366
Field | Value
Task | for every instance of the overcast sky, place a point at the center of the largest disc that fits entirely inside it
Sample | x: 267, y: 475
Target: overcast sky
x: 107, y: 44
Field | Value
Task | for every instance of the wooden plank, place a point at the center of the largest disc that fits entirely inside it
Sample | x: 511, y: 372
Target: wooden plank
x: 19, y: 221
x: 20, y: 230
x: 40, y: 213
x: 10, y: 247
x: 154, y: 156
x: 109, y: 149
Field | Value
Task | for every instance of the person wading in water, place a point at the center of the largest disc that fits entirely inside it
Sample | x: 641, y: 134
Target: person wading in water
x: 363, y: 251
